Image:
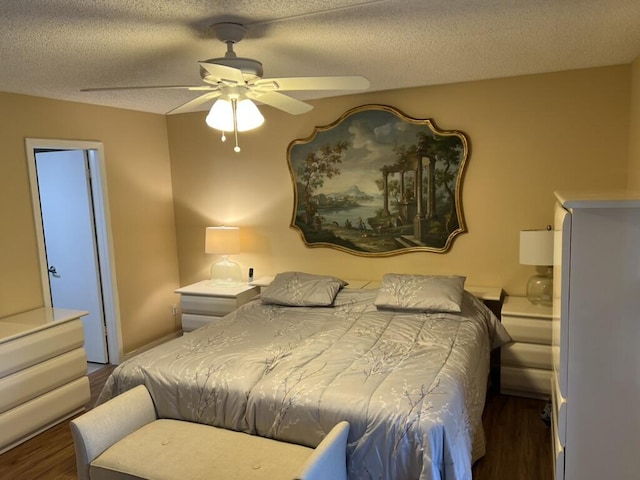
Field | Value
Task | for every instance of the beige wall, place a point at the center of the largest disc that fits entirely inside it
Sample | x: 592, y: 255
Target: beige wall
x: 529, y: 136
x: 140, y: 202
x: 634, y: 128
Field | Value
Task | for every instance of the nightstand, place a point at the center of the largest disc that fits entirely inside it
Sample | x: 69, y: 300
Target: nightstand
x: 202, y: 303
x: 526, y: 363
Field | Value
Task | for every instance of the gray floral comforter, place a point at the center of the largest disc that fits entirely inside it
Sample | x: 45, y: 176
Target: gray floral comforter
x: 412, y: 385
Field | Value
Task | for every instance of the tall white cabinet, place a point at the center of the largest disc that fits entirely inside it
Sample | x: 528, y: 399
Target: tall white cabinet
x: 596, y: 337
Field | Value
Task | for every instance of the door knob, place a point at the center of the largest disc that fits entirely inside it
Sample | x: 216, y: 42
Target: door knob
x: 52, y: 270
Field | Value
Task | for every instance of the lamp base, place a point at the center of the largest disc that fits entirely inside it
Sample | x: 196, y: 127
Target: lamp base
x: 226, y: 273
x: 540, y: 289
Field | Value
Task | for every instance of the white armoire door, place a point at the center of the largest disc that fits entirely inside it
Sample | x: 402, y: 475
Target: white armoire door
x: 597, y: 428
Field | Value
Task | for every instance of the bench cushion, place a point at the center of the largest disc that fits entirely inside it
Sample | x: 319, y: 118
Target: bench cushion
x: 170, y: 449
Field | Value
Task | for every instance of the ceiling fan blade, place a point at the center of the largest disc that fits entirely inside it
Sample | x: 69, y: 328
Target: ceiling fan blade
x: 223, y: 73
x: 158, y: 87
x: 354, y: 82
x: 281, y: 102
x: 196, y: 102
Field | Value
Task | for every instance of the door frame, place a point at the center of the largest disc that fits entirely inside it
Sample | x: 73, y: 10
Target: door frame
x: 104, y: 244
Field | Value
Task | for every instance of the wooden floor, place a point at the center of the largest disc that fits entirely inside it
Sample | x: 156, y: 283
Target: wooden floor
x: 518, y: 444
x: 518, y: 441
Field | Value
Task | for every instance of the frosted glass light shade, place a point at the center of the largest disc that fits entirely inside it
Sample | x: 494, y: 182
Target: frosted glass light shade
x: 248, y: 115
x: 220, y: 116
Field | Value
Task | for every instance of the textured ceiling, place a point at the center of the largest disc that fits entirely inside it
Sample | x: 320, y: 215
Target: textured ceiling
x: 53, y: 48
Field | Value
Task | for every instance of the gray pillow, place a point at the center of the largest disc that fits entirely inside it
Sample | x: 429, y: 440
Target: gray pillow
x: 297, y: 289
x: 437, y: 293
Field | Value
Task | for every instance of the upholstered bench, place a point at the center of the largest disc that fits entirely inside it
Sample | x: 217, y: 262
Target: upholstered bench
x: 123, y: 439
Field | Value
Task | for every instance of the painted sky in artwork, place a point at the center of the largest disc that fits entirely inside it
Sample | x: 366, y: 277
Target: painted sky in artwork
x: 372, y: 136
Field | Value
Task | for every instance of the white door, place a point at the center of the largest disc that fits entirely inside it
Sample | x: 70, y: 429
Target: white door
x: 70, y: 242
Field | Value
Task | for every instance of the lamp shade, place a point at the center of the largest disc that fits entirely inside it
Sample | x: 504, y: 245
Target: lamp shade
x: 536, y: 247
x: 222, y: 240
x: 248, y: 115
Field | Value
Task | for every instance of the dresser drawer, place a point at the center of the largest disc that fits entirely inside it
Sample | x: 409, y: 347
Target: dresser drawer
x: 39, y: 346
x: 528, y: 330
x: 527, y: 355
x: 27, y: 384
x: 212, y: 306
x: 191, y: 321
x: 529, y: 382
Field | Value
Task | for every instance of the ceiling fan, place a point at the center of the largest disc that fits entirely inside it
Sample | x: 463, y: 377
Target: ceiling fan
x: 233, y: 80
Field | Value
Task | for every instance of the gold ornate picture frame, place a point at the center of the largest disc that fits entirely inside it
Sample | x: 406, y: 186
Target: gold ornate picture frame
x: 376, y: 183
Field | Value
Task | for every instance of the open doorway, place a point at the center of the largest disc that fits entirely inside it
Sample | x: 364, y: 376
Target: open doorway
x: 74, y: 238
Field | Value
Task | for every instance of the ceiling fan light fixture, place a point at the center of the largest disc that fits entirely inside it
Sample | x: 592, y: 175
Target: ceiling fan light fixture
x: 234, y: 116
x: 248, y: 115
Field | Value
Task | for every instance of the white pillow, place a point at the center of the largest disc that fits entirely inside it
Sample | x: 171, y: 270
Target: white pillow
x: 437, y: 293
x: 297, y: 289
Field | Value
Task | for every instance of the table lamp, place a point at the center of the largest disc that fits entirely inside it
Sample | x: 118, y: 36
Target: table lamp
x: 536, y: 248
x: 223, y: 241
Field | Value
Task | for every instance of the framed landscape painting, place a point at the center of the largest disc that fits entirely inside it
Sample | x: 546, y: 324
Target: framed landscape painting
x: 376, y: 182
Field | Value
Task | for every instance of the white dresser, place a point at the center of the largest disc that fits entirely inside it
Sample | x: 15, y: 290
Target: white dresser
x: 203, y: 303
x: 43, y: 372
x: 525, y: 363
x: 596, y: 337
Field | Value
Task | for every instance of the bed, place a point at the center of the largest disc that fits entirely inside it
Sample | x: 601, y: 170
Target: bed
x: 410, y: 381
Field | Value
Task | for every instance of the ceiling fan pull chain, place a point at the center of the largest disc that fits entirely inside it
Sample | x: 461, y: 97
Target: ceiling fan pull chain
x: 234, y: 106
